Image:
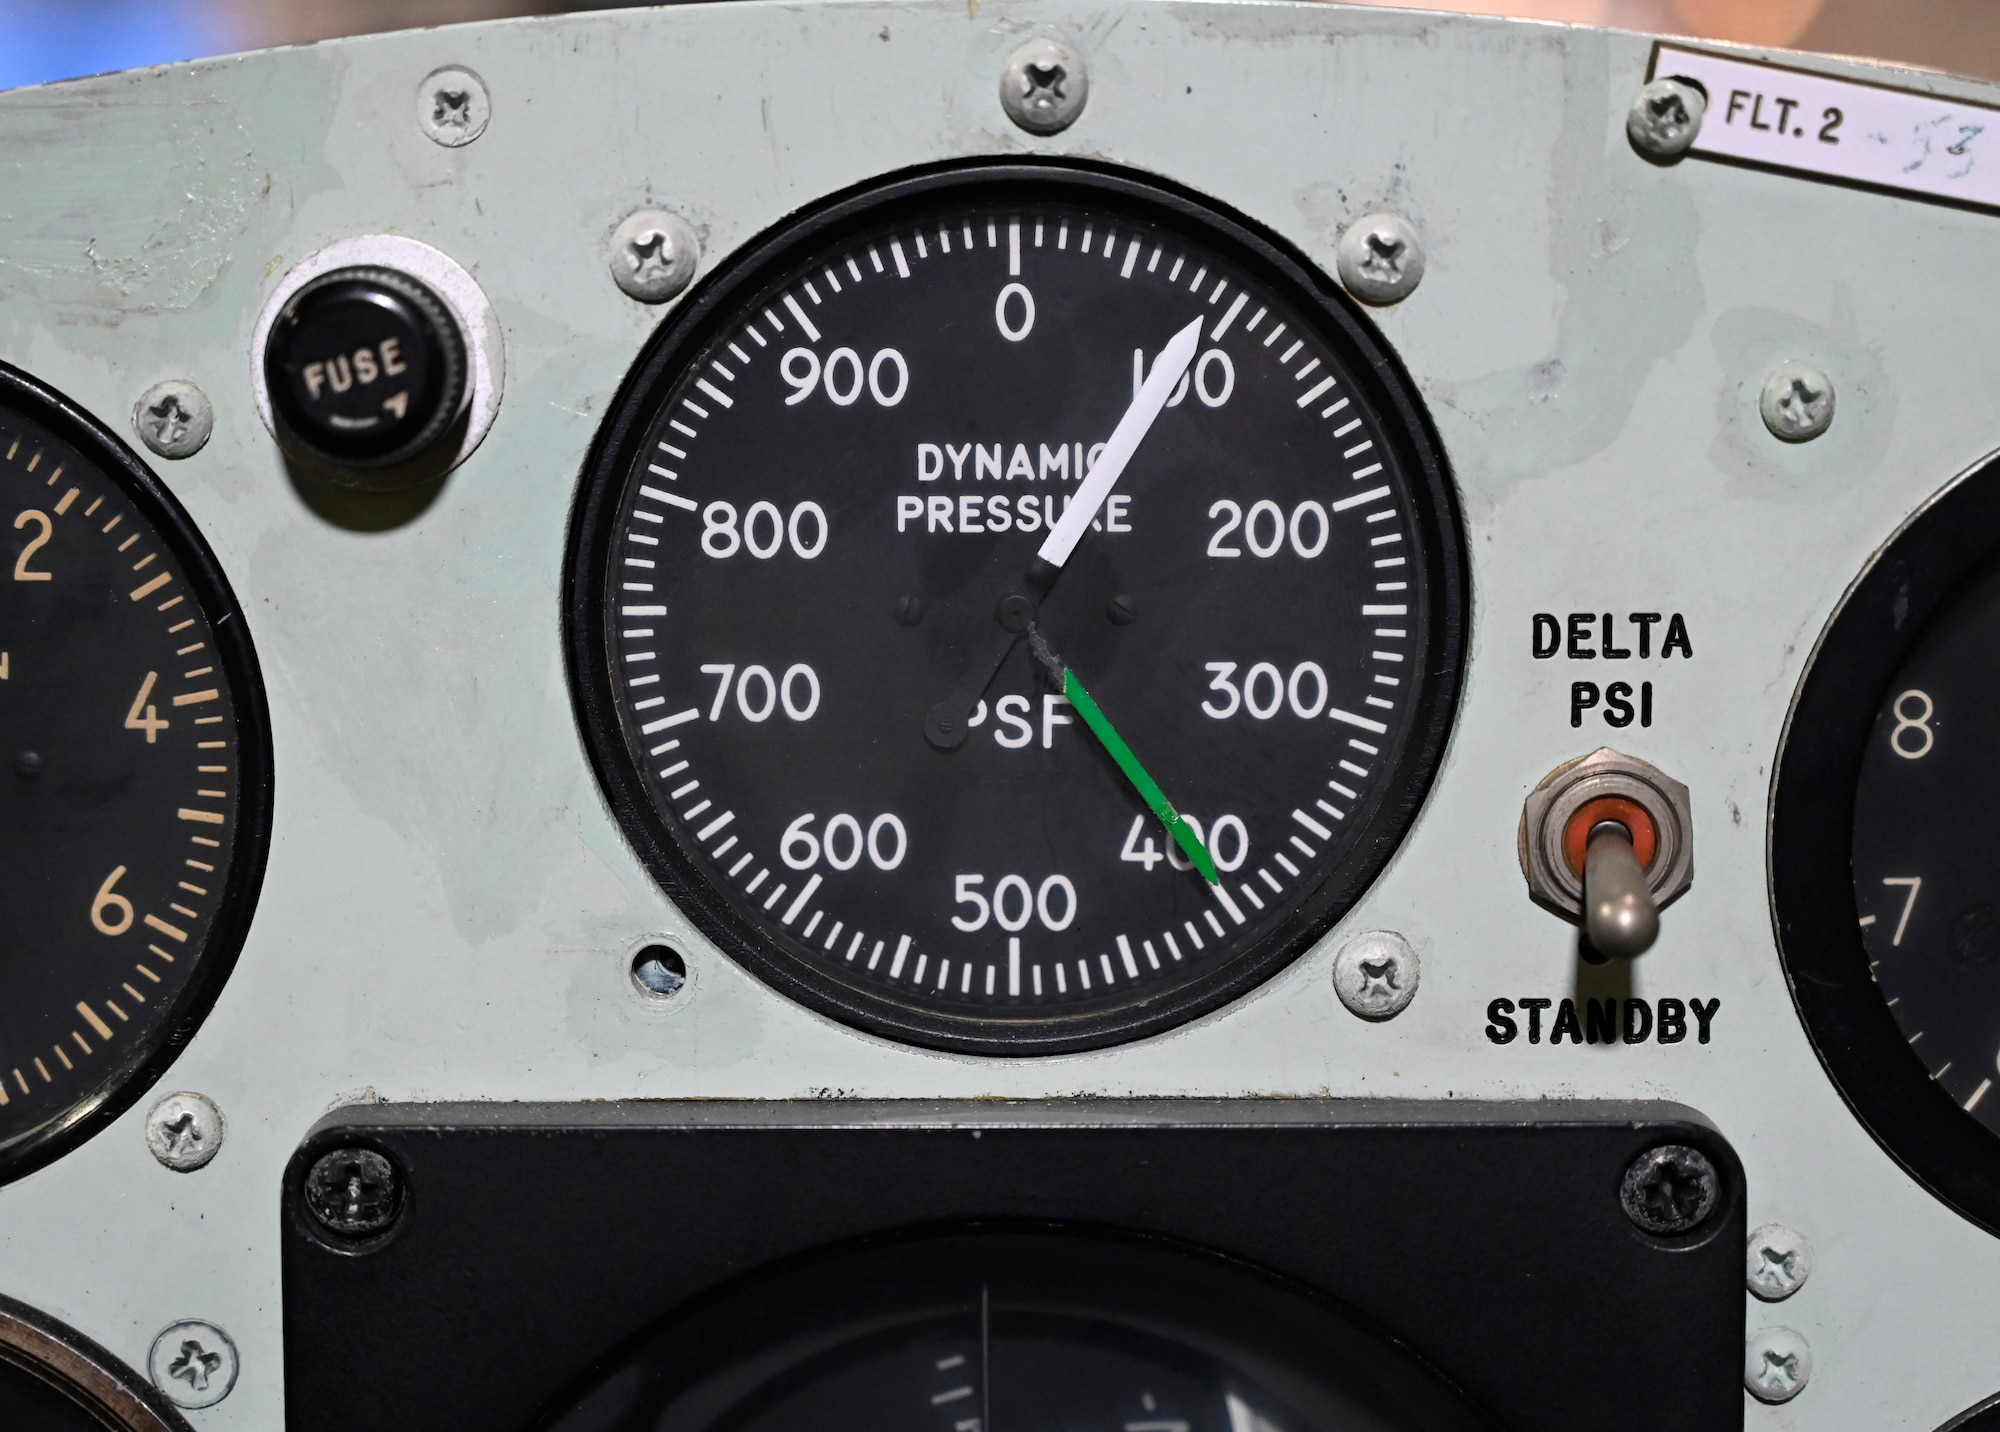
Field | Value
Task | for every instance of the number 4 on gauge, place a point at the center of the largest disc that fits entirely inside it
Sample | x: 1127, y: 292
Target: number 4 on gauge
x: 144, y: 716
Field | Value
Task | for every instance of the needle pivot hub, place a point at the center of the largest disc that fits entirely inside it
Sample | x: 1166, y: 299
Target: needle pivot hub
x: 945, y: 726
x: 1014, y: 613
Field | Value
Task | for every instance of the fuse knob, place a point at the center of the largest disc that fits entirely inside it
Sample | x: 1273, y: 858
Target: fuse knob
x: 366, y: 368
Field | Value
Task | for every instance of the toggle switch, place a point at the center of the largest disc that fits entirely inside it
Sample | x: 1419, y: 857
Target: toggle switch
x: 1607, y: 842
x: 1619, y: 915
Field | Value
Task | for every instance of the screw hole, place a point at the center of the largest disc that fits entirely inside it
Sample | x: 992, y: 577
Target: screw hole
x: 659, y: 970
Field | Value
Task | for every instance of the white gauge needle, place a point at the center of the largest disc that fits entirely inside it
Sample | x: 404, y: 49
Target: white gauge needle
x: 1124, y: 441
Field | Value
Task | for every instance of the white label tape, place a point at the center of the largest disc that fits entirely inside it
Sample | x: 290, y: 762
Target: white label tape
x: 1781, y: 118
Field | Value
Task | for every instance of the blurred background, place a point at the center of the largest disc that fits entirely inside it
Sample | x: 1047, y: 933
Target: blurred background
x: 59, y: 39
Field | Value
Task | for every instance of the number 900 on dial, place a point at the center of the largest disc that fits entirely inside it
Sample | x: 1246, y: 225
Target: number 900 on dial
x: 1016, y: 608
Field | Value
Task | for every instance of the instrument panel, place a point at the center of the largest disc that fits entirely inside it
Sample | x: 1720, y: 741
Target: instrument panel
x: 875, y: 568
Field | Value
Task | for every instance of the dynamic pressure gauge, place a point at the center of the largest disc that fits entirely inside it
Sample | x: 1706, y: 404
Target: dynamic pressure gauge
x: 1016, y: 608
x: 135, y: 791
x: 1885, y: 866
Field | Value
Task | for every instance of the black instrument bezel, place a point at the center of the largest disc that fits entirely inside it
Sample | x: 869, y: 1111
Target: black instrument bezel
x: 618, y: 452
x: 1880, y: 622
x: 1488, y: 1240
x: 130, y: 1076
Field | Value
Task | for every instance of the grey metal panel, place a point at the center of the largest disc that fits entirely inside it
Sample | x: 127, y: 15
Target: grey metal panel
x: 449, y: 905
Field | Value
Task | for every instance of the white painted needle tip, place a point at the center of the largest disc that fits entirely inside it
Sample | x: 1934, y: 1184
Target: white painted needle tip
x: 1124, y: 441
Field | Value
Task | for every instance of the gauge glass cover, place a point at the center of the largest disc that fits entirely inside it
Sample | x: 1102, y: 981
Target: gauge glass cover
x: 135, y: 791
x: 961, y: 1332
x: 812, y: 532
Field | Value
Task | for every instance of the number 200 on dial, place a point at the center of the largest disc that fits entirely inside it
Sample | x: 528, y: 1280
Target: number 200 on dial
x: 899, y: 738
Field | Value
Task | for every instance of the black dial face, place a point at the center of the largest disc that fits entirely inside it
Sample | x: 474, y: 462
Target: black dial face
x: 135, y: 786
x: 973, y: 1332
x: 907, y: 743
x: 1927, y: 856
x: 1883, y: 865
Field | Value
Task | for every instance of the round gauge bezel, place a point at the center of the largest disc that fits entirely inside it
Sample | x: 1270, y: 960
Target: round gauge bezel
x: 620, y: 446
x: 107, y: 1391
x: 1982, y: 1418
x: 1880, y: 622
x: 131, y: 1077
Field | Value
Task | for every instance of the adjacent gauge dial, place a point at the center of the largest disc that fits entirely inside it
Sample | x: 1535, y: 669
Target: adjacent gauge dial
x: 1004, y: 1332
x: 135, y: 790
x: 1926, y: 859
x: 1886, y: 871
x: 928, y: 755
x: 54, y: 1379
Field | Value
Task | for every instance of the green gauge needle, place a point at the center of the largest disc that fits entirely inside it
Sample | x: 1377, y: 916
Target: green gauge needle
x: 1147, y: 787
